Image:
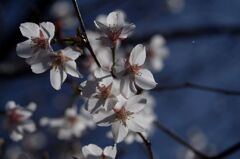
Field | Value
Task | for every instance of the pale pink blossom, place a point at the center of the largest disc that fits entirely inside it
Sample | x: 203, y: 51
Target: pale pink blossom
x: 92, y: 151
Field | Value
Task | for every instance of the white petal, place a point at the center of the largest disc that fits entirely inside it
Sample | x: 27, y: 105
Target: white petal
x: 65, y: 133
x: 138, y: 55
x: 71, y: 69
x: 57, y: 77
x: 136, y: 103
x: 10, y: 105
x: 48, y: 29
x: 157, y: 64
x: 145, y: 80
x: 105, y: 29
x: 127, y: 87
x: 104, y: 57
x: 24, y: 49
x: 29, y: 127
x: 134, y: 126
x: 104, y: 118
x: 110, y: 151
x: 93, y: 104
x: 15, y: 136
x: 40, y: 67
x: 91, y: 150
x: 71, y: 53
x: 30, y: 30
x: 119, y: 131
x: 127, y: 30
x: 116, y: 19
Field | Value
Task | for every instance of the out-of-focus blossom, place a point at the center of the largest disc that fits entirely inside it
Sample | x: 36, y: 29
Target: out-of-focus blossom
x: 18, y: 120
x: 38, y: 43
x: 156, y: 53
x: 175, y: 6
x: 73, y: 124
x: 61, y: 63
x: 114, y: 27
x: 92, y: 151
x: 123, y: 117
x: 133, y: 74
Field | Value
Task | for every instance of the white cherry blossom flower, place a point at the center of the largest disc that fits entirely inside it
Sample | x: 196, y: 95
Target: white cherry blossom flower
x: 18, y: 120
x: 61, y: 63
x: 114, y: 27
x: 156, y: 53
x: 38, y: 43
x: 101, y: 92
x: 123, y: 117
x: 92, y: 151
x: 133, y: 74
x: 149, y: 117
x: 73, y: 124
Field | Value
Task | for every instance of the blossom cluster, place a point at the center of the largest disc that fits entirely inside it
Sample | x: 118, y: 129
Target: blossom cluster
x: 114, y: 93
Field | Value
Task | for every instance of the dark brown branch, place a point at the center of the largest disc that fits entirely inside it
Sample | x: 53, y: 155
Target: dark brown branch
x: 198, y: 87
x: 229, y: 151
x: 83, y: 32
x: 181, y: 141
x: 148, y: 146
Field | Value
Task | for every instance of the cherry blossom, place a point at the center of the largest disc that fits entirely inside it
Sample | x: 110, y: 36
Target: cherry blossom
x: 18, y: 120
x: 156, y: 53
x: 114, y: 27
x: 61, y: 63
x: 73, y: 124
x: 92, y: 151
x: 123, y: 117
x: 132, y: 73
x: 38, y: 43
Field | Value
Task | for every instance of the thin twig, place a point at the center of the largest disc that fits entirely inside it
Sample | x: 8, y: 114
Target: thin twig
x: 83, y: 31
x: 229, y: 151
x: 148, y: 146
x: 198, y: 87
x: 180, y: 140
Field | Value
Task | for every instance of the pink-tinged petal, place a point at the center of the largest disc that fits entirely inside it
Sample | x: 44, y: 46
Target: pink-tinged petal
x: 24, y: 49
x: 71, y: 69
x: 104, y: 118
x: 119, y: 131
x: 30, y: 30
x: 40, y: 67
x: 134, y: 125
x: 127, y: 30
x: 48, y: 29
x: 145, y: 80
x: 127, y: 87
x: 138, y: 55
x: 110, y: 151
x: 116, y: 19
x: 57, y: 77
x: 91, y: 151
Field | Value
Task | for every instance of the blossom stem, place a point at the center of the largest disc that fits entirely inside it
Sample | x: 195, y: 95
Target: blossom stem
x: 179, y: 140
x: 148, y: 145
x: 113, y: 49
x: 83, y: 32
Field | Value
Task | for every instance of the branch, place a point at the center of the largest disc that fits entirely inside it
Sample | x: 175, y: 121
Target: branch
x: 148, y: 145
x: 83, y: 32
x: 229, y: 151
x: 180, y: 140
x: 197, y: 87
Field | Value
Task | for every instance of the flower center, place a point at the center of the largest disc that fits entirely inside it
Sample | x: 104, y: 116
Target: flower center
x: 103, y: 156
x: 41, y: 41
x: 72, y: 120
x: 60, y: 59
x: 115, y: 33
x: 134, y: 69
x: 14, y: 117
x: 104, y: 91
x: 122, y: 115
